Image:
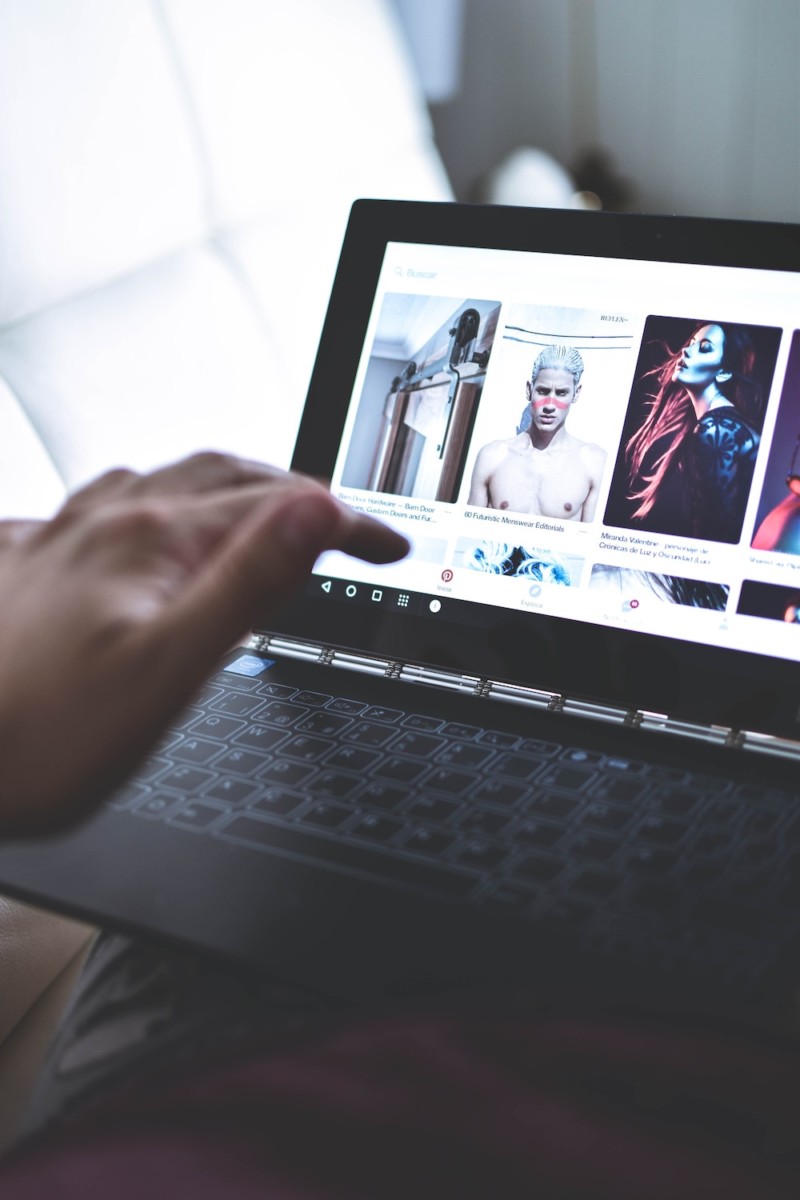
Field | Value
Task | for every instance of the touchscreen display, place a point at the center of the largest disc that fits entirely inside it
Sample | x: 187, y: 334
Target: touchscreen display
x: 602, y: 440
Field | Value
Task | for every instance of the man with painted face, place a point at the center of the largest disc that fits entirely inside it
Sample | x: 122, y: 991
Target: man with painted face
x: 544, y: 470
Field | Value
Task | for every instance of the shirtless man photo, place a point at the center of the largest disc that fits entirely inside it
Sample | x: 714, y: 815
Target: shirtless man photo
x: 543, y: 471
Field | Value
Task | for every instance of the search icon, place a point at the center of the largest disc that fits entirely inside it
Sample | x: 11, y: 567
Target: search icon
x: 399, y: 271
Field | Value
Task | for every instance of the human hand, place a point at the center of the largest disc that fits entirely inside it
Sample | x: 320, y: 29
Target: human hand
x: 115, y: 611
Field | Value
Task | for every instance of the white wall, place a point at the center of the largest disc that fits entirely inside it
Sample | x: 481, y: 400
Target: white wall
x: 698, y: 100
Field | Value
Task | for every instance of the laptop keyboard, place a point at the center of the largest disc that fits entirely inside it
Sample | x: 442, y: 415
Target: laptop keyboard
x: 542, y: 829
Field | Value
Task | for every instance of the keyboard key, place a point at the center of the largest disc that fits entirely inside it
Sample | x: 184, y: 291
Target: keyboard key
x: 592, y: 847
x: 350, y: 708
x: 553, y: 805
x: 537, y: 833
x: 376, y: 828
x: 400, y: 770
x: 278, y: 801
x: 385, y: 796
x: 456, y: 730
x: 213, y: 726
x: 281, y: 714
x: 185, y: 779
x: 427, y: 808
x: 195, y: 816
x: 483, y: 821
x: 577, y: 754
x: 535, y: 746
x: 280, y: 691
x: 723, y: 811
x: 312, y: 699
x: 241, y: 762
x: 421, y: 745
x: 195, y: 750
x: 343, y: 855
x: 366, y: 733
x: 242, y: 683
x: 306, y: 749
x: 619, y: 790
x: 156, y: 806
x: 673, y: 775
x: 428, y: 841
x: 516, y: 766
x: 421, y: 723
x: 570, y: 779
x: 661, y: 831
x: 377, y: 713
x: 709, y: 785
x: 650, y: 860
x: 353, y: 758
x: 610, y: 817
x: 326, y: 724
x: 499, y: 791
x: 481, y: 855
x: 498, y: 739
x: 231, y: 790
x: 260, y: 737
x: 756, y: 793
x: 464, y: 754
x: 676, y: 802
x: 336, y: 783
x: 237, y: 704
x: 327, y: 816
x: 292, y: 774
x: 445, y: 779
x: 625, y: 766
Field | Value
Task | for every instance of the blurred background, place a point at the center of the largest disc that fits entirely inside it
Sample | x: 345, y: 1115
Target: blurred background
x: 687, y: 106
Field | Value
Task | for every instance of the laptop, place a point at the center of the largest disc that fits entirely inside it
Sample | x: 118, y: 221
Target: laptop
x: 559, y: 744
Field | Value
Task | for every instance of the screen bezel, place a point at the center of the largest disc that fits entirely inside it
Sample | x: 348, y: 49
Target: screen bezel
x: 629, y: 669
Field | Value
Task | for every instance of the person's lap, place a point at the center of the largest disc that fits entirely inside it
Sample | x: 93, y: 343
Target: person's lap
x: 164, y: 1056
x: 140, y: 1008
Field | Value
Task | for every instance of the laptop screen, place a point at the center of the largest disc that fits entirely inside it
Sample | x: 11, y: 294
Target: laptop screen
x: 574, y: 441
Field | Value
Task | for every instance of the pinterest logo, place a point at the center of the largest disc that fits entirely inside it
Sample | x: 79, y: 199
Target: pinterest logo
x: 447, y: 575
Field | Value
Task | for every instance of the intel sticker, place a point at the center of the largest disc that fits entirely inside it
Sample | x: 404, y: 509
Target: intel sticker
x: 248, y: 664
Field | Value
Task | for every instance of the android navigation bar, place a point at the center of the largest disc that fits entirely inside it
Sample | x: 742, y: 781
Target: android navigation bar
x: 374, y: 596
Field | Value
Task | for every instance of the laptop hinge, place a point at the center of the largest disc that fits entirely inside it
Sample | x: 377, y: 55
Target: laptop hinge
x: 528, y: 697
x: 325, y: 655
x: 368, y: 665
